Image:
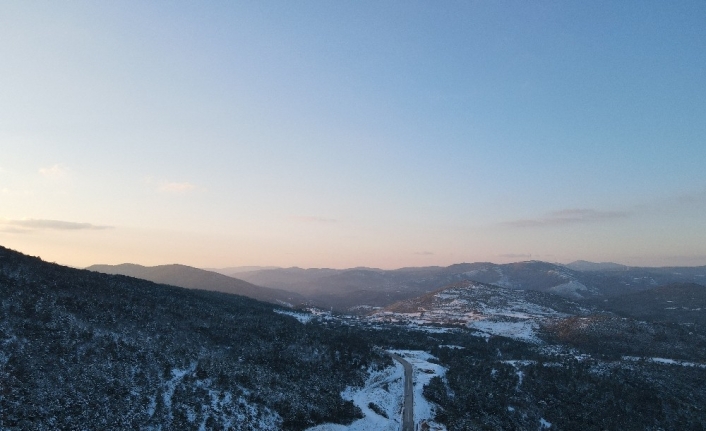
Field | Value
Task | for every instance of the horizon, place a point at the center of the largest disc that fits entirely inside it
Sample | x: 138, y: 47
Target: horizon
x: 253, y: 268
x: 368, y: 134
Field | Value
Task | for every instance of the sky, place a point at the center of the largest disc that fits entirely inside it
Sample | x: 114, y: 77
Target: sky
x: 353, y: 133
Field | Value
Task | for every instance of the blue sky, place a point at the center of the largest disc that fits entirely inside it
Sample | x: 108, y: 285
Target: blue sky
x: 340, y: 134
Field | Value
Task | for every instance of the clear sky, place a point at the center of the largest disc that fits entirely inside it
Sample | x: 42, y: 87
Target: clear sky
x: 353, y: 133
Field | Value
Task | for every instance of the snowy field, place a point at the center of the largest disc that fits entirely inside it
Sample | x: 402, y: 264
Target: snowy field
x: 385, y: 389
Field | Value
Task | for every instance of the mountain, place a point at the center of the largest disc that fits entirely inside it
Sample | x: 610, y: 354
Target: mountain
x: 634, y: 279
x: 344, y: 289
x: 233, y: 270
x: 677, y: 302
x: 86, y: 350
x: 489, y: 309
x: 194, y: 278
x: 473, y: 299
x: 294, y: 279
x: 363, y: 288
x: 583, y: 265
x: 371, y: 287
x: 533, y: 275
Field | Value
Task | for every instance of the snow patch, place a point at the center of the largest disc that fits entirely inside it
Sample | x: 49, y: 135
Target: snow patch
x: 302, y: 317
x: 570, y: 289
x: 523, y: 330
x: 665, y: 361
x: 170, y: 386
x: 383, y: 388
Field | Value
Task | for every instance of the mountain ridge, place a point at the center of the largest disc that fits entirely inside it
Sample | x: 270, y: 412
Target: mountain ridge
x: 195, y: 278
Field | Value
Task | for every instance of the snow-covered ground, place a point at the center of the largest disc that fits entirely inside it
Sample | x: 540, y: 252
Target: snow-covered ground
x: 424, y: 371
x: 522, y: 330
x: 665, y: 361
x: 302, y: 317
x: 491, y: 311
x: 385, y: 389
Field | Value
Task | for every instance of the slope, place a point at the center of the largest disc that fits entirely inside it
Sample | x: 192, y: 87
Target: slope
x: 677, y: 302
x: 194, y: 278
x: 492, y: 310
x: 85, y: 350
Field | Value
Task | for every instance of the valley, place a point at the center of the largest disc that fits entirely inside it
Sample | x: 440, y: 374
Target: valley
x: 86, y: 349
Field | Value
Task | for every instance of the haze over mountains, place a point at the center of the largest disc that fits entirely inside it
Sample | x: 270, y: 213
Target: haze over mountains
x: 359, y: 289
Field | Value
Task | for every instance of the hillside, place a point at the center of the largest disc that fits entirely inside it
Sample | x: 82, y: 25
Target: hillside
x: 635, y: 279
x: 351, y: 289
x: 85, y: 350
x: 583, y: 265
x: 678, y: 302
x: 488, y: 309
x: 194, y: 278
x: 344, y: 289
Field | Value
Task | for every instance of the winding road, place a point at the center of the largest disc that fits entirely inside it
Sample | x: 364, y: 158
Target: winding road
x: 408, y: 408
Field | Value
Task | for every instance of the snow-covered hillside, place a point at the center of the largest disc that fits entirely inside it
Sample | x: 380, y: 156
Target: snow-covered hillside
x: 491, y: 310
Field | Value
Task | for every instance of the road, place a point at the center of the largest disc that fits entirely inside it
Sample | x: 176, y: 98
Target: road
x: 408, y: 408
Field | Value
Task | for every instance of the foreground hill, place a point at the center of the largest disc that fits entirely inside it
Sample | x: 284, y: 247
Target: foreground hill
x: 85, y: 350
x: 194, y: 278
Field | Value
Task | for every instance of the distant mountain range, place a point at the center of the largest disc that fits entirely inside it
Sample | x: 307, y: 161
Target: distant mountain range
x: 360, y: 289
x: 583, y: 265
x: 233, y: 270
x: 194, y: 278
x: 347, y: 288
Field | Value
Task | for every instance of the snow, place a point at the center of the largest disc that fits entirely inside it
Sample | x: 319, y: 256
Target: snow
x: 570, y: 289
x: 523, y: 330
x: 424, y: 371
x: 302, y: 317
x: 231, y: 411
x: 385, y: 389
x: 171, y: 384
x: 493, y: 311
x: 665, y: 361
x: 543, y: 423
